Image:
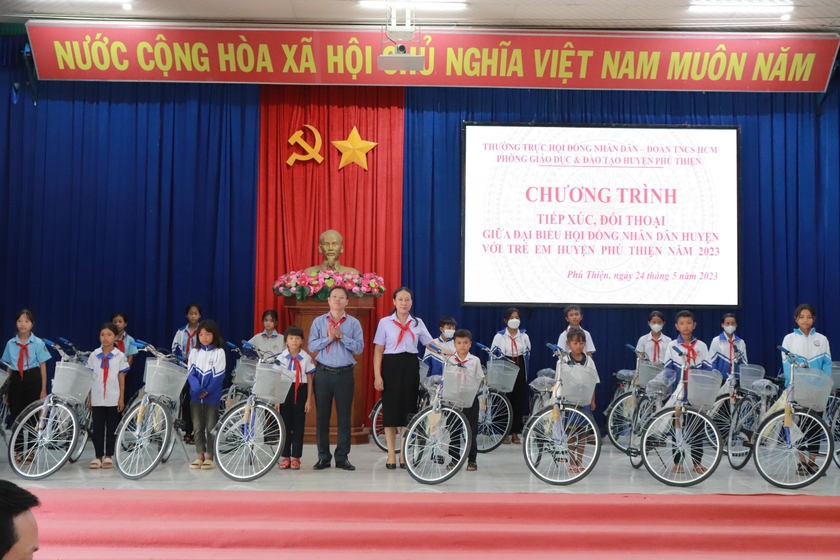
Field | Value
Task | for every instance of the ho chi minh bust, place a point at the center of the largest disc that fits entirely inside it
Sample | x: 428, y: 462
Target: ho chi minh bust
x: 331, y: 245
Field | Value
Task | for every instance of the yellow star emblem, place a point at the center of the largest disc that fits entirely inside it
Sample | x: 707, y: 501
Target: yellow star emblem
x: 353, y: 149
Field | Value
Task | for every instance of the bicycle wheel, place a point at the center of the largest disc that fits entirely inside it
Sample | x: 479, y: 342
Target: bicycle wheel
x: 642, y: 413
x: 684, y: 452
x: 792, y: 457
x: 83, y: 415
x: 495, y: 422
x: 744, y: 421
x: 620, y: 421
x: 562, y: 451
x: 377, y: 430
x: 835, y: 430
x: 436, y: 444
x: 42, y: 439
x: 142, y: 439
x: 721, y: 417
x: 249, y: 441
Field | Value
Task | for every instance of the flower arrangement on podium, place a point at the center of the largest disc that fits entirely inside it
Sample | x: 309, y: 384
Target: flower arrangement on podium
x: 302, y: 285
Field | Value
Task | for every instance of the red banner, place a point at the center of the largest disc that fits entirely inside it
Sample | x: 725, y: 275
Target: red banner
x: 453, y: 57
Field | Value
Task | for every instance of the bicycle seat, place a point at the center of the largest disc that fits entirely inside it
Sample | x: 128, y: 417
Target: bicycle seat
x: 657, y: 386
x: 547, y: 372
x: 764, y: 388
x: 542, y: 384
x: 625, y: 374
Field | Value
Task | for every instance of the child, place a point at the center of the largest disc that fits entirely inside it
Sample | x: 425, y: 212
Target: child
x: 576, y: 339
x: 125, y: 344
x: 695, y: 354
x: 463, y: 359
x: 107, y: 396
x: 269, y: 340
x: 574, y: 316
x: 512, y: 343
x: 445, y: 342
x: 185, y: 340
x: 206, y: 366
x: 654, y: 343
x: 26, y: 355
x: 807, y: 343
x: 300, y: 398
x: 725, y: 348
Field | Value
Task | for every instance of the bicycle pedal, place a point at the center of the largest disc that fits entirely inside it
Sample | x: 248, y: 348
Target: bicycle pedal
x: 439, y: 459
x: 633, y: 452
x: 180, y: 425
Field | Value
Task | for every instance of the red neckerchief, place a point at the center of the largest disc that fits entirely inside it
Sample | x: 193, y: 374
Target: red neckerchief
x: 513, y: 348
x: 23, y: 357
x: 459, y: 361
x: 190, y: 338
x: 403, y: 329
x: 731, y: 354
x: 334, y: 324
x: 105, y: 363
x: 298, y: 373
x: 690, y: 353
x: 121, y: 343
x: 655, y: 349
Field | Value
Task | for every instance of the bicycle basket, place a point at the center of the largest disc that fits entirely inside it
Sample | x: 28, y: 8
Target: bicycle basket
x: 424, y: 369
x: 647, y: 372
x: 578, y: 383
x: 501, y: 375
x: 272, y: 382
x: 460, y: 385
x: 245, y: 373
x: 749, y: 374
x: 835, y: 374
x: 165, y: 379
x: 812, y: 387
x: 703, y: 387
x: 72, y: 381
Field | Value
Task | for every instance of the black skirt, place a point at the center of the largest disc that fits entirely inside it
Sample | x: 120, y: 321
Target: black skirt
x: 401, y: 377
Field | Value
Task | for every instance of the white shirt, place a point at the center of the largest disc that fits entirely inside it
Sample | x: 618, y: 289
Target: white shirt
x: 106, y: 392
x: 274, y: 344
x: 472, y: 364
x: 505, y: 343
x: 307, y: 367
x: 647, y: 345
x: 814, y: 348
x: 590, y: 346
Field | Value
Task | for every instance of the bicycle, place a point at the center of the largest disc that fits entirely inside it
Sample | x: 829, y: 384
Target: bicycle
x: 541, y: 389
x: 377, y: 429
x: 793, y: 447
x: 562, y: 443
x: 832, y: 411
x: 621, y: 411
x: 50, y: 432
x: 684, y: 431
x: 440, y: 430
x: 495, y: 418
x: 722, y: 410
x: 147, y: 432
x: 251, y: 435
x: 4, y: 407
x: 751, y: 407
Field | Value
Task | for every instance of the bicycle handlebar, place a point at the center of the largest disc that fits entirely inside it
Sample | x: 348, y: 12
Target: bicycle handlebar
x: 63, y: 340
x: 48, y: 342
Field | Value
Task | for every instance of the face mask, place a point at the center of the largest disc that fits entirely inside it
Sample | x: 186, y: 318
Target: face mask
x: 449, y: 333
x: 729, y: 329
x: 655, y: 328
x: 513, y: 323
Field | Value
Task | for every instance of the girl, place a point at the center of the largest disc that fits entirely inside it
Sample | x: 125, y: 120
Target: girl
x: 269, y: 340
x: 300, y: 397
x: 396, y: 368
x: 206, y: 366
x: 185, y: 340
x: 124, y: 342
x: 107, y: 396
x: 26, y: 355
x: 513, y: 343
x: 654, y: 343
x: 727, y: 350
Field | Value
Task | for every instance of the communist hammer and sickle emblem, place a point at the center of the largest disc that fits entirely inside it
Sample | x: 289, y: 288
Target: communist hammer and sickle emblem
x: 312, y: 152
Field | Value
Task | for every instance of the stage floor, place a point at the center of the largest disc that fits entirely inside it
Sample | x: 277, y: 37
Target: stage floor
x: 500, y: 471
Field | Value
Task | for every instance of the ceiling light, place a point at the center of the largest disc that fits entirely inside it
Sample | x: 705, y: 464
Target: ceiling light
x: 126, y: 6
x: 741, y: 6
x: 416, y: 5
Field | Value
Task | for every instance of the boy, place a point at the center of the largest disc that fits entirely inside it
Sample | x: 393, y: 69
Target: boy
x: 727, y: 347
x: 445, y: 342
x: 463, y: 359
x: 574, y: 316
x: 300, y: 398
x: 576, y: 339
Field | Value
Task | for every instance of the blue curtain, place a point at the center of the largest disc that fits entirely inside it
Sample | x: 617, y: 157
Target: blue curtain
x: 789, y: 205
x: 126, y: 196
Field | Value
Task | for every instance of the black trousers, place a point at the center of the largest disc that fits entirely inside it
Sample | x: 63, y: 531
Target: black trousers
x: 104, y: 420
x: 331, y: 387
x: 186, y: 412
x: 23, y: 392
x: 519, y: 396
x: 294, y: 417
x: 472, y: 421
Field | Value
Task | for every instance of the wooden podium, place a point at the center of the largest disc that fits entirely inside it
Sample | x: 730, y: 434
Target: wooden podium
x: 305, y: 313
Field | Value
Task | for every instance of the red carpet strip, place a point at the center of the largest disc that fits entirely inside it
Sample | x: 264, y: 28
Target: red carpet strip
x: 134, y: 524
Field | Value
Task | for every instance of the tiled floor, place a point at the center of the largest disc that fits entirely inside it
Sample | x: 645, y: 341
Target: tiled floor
x: 502, y: 470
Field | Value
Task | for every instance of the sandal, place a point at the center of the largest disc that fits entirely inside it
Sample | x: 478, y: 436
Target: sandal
x: 285, y: 463
x: 196, y: 464
x: 803, y: 470
x: 95, y: 464
x: 506, y: 439
x: 515, y: 438
x: 108, y: 463
x: 208, y: 464
x: 295, y: 464
x: 700, y: 469
x: 678, y: 469
x: 472, y: 467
